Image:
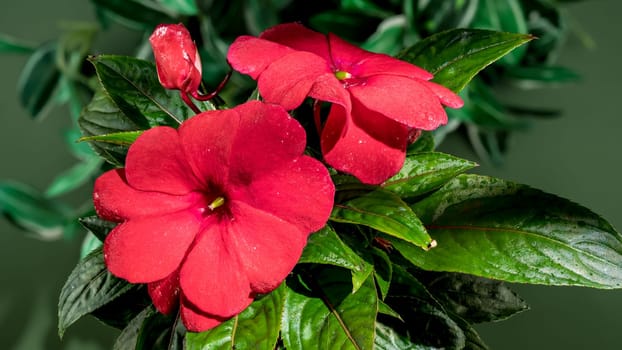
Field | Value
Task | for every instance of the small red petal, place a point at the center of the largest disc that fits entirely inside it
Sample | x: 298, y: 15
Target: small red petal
x: 447, y: 97
x: 407, y: 101
x: 298, y: 37
x: 366, y: 145
x: 250, y: 55
x: 149, y: 249
x: 165, y: 293
x: 196, y: 321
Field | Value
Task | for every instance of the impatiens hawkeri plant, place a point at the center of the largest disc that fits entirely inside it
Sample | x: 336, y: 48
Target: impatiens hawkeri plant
x: 316, y: 214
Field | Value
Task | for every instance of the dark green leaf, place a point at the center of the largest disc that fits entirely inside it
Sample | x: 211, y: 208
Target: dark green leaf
x: 423, y: 172
x: 134, y: 87
x: 74, y: 177
x: 89, y: 244
x: 388, y: 38
x: 388, y: 339
x: 424, y: 143
x: 475, y: 299
x: 129, y: 336
x: 330, y: 316
x: 99, y: 227
x: 88, y: 287
x: 383, y: 271
x: 325, y: 247
x: 367, y: 7
x: 161, y: 332
x: 102, y: 117
x: 501, y: 230
x: 385, y: 212
x: 12, y: 45
x: 119, y: 312
x: 38, y: 80
x: 260, y: 15
x: 257, y: 327
x: 134, y: 13
x: 456, y: 56
x: 345, y: 24
x: 30, y: 210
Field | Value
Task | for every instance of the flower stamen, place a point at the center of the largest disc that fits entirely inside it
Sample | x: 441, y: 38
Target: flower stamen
x: 342, y: 75
x: 218, y: 202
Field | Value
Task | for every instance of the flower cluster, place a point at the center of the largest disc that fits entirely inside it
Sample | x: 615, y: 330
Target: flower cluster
x: 219, y: 210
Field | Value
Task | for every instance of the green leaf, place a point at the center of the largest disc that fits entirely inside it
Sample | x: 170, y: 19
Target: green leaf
x: 38, y: 80
x: 97, y: 226
x: 424, y: 143
x: 134, y: 87
x: 475, y: 299
x: 257, y: 327
x: 137, y: 14
x: 260, y: 15
x: 385, y: 212
x: 502, y: 230
x: 388, y: 339
x: 89, y: 244
x: 388, y: 38
x: 88, y: 287
x: 330, y: 316
x: 123, y: 138
x: 129, y: 335
x: 28, y: 209
x: 325, y: 247
x: 383, y: 271
x: 9, y: 44
x: 423, y: 172
x: 119, y: 312
x: 537, y: 76
x: 102, y: 117
x: 184, y: 7
x: 506, y: 16
x: 74, y: 177
x: 457, y: 55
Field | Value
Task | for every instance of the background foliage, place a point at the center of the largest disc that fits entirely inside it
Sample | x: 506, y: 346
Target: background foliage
x: 572, y: 172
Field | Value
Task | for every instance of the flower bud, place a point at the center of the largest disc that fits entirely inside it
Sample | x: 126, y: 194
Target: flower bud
x: 177, y: 58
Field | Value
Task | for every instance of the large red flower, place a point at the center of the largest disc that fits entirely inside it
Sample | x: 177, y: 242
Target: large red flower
x: 215, y: 212
x: 378, y: 101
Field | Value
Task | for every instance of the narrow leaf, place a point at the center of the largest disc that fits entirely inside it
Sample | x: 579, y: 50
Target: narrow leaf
x: 129, y: 335
x: 74, y: 177
x: 457, y: 55
x: 184, y: 7
x: 88, y: 287
x: 38, y: 80
x: 9, y: 44
x: 424, y: 172
x: 331, y: 317
x: 325, y: 247
x: 257, y: 327
x: 502, y: 230
x: 123, y: 138
x: 385, y: 212
x: 97, y: 226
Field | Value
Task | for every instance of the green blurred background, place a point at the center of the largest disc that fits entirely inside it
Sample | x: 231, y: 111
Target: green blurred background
x: 575, y: 156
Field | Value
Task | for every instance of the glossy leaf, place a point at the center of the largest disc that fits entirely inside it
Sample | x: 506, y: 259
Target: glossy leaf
x: 129, y: 335
x: 134, y: 13
x: 475, y: 299
x: 9, y: 44
x: 388, y: 339
x: 423, y: 172
x: 39, y: 79
x: 502, y: 230
x: 74, y: 177
x: 97, y: 226
x: 330, y: 316
x: 257, y: 327
x: 456, y: 56
x: 385, y: 212
x: 30, y: 210
x: 102, y: 117
x: 325, y: 247
x: 88, y: 287
x: 134, y: 87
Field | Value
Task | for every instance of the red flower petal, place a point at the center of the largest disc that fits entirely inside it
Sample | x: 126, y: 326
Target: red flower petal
x: 165, y: 293
x: 196, y: 321
x: 328, y: 88
x: 370, y: 146
x: 447, y: 97
x: 298, y: 37
x: 267, y: 247
x: 149, y: 249
x: 404, y: 100
x: 288, y: 80
x: 156, y: 162
x: 115, y: 200
x: 212, y: 278
x: 177, y: 59
x: 300, y: 192
x: 250, y: 55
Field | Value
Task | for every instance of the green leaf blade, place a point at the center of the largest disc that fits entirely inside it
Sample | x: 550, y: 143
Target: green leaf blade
x: 385, y: 212
x: 457, y: 55
x: 501, y: 230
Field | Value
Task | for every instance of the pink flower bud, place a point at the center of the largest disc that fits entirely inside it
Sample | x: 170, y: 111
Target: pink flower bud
x: 177, y: 58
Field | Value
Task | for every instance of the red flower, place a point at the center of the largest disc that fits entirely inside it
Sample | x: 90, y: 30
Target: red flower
x: 378, y: 101
x: 215, y: 212
x: 177, y: 59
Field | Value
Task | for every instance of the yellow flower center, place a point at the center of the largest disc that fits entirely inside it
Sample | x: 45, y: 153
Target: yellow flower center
x: 218, y: 202
x: 342, y: 75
